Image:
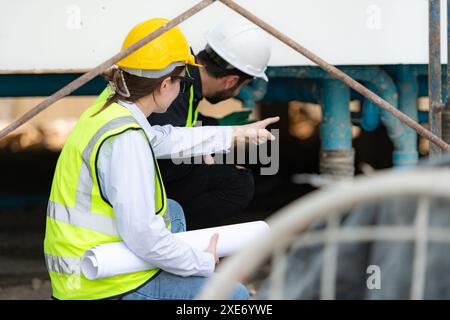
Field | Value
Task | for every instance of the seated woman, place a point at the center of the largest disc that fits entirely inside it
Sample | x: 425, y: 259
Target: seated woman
x: 107, y: 186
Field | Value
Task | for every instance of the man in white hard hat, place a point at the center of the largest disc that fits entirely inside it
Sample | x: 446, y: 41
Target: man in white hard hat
x: 237, y: 52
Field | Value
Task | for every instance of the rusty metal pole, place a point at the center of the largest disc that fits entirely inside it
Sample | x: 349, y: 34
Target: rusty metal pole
x: 339, y: 75
x: 448, y: 58
x: 88, y: 76
x: 434, y: 71
x: 446, y: 111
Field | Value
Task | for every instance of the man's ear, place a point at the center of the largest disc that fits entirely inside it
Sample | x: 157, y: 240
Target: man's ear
x: 230, y: 81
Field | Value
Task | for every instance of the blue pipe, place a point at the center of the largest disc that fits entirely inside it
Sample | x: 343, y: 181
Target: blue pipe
x: 378, y: 79
x: 408, y: 91
x: 335, y: 129
x: 36, y: 85
x: 371, y: 113
x: 423, y: 117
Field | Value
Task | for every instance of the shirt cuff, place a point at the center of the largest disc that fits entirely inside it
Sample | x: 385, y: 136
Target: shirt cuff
x: 208, y: 265
x: 228, y: 132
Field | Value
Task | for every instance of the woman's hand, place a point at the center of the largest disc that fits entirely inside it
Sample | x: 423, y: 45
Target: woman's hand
x: 213, y: 246
x: 255, y: 133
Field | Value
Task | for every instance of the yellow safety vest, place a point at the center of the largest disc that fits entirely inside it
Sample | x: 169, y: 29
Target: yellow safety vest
x: 78, y: 215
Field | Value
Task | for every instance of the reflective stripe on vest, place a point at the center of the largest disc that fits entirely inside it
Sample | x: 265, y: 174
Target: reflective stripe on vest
x: 63, y: 265
x: 192, y: 115
x: 82, y: 219
x: 88, y: 220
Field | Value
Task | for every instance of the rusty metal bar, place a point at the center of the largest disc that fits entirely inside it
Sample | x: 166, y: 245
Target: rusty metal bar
x: 446, y: 111
x: 434, y: 71
x: 448, y: 57
x: 103, y: 67
x: 339, y: 75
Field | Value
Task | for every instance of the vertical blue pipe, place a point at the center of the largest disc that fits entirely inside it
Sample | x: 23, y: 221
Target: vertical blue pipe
x: 335, y: 130
x: 408, y: 92
x: 371, y: 113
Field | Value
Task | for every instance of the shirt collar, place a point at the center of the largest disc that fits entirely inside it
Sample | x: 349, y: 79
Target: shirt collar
x: 140, y: 118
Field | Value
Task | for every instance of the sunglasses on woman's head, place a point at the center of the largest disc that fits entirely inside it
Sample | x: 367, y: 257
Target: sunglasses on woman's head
x: 185, y: 82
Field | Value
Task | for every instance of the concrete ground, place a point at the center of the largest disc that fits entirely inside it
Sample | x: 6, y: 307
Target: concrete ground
x: 22, y: 267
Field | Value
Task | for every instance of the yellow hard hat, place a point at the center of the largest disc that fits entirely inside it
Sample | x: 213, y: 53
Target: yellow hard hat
x: 169, y: 48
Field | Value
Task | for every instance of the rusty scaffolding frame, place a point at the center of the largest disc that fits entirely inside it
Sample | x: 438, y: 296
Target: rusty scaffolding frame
x: 446, y: 111
x: 434, y: 135
x: 434, y: 71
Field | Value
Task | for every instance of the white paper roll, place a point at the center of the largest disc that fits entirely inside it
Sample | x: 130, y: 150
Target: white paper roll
x: 115, y: 258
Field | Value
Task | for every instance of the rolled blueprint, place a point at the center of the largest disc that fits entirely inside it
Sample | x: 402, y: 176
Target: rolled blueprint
x: 112, y: 259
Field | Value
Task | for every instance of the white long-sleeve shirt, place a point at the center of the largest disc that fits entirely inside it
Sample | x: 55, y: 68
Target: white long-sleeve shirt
x: 126, y: 177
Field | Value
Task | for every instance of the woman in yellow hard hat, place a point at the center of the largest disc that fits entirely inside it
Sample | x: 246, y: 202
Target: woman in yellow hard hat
x: 107, y: 186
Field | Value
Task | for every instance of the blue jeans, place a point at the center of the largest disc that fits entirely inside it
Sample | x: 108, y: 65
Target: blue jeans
x: 167, y: 286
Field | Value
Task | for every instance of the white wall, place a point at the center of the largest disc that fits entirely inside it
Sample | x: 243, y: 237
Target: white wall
x: 49, y: 35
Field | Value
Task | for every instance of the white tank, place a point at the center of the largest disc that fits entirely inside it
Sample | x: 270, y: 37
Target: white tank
x: 75, y: 35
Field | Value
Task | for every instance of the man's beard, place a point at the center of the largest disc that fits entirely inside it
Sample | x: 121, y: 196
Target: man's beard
x: 222, y: 95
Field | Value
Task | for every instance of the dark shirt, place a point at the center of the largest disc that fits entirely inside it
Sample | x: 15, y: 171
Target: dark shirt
x: 177, y: 113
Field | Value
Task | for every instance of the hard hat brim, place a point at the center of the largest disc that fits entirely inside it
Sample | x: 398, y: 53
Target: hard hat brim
x: 264, y: 77
x: 191, y: 62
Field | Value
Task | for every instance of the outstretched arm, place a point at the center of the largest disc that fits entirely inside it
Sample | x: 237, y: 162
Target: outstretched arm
x: 180, y: 142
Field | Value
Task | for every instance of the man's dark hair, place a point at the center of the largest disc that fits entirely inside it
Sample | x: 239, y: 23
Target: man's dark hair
x: 218, y: 67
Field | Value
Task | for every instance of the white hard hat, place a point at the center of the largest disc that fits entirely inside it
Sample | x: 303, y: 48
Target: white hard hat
x: 242, y: 44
